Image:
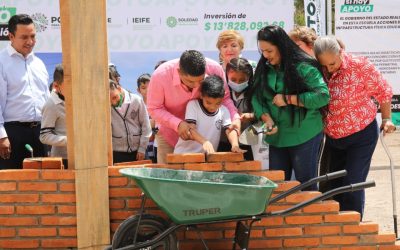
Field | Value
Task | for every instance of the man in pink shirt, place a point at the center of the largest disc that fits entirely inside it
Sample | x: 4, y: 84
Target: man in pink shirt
x: 171, y: 87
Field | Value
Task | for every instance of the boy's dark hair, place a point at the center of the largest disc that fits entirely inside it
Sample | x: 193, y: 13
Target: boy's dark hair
x: 113, y: 73
x: 142, y: 79
x: 212, y: 86
x: 58, y: 75
x: 159, y: 63
x: 18, y: 19
x: 193, y: 63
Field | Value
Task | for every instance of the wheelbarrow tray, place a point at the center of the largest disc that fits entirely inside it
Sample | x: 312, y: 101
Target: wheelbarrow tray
x: 197, y: 196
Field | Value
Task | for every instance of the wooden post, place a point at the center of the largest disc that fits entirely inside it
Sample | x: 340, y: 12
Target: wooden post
x: 85, y: 61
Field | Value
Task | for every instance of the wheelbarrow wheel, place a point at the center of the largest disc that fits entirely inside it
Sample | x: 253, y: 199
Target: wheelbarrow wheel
x: 150, y: 227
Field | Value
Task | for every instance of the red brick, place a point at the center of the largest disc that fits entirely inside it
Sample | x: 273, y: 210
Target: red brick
x: 265, y: 244
x: 37, y: 232
x: 301, y: 196
x: 225, y: 157
x: 114, y: 226
x: 280, y: 207
x: 58, y: 198
x: 124, y: 192
x: 176, y: 166
x: 376, y: 239
x: 118, y: 181
x: 157, y: 165
x: 18, y: 221
x: 390, y: 247
x: 32, y: 163
x: 120, y: 215
x: 243, y: 166
x: 270, y: 221
x: 66, y: 209
x: 256, y: 233
x: 359, y: 248
x: 204, y: 234
x: 67, y: 231
x: 324, y: 248
x: 14, y: 198
x: 322, y: 230
x: 58, y: 174
x: 135, y: 203
x: 6, y: 210
x: 58, y: 220
x: 117, y: 204
x: 310, y: 219
x: 286, y: 185
x: 58, y: 243
x: 67, y: 187
x: 36, y: 209
x: 8, y: 186
x: 52, y: 163
x: 133, y: 163
x: 322, y: 207
x: 273, y: 175
x: 7, y: 232
x: 37, y: 186
x: 288, y: 231
x: 184, y: 158
x: 16, y: 175
x: 214, y: 166
x: 301, y: 242
x: 339, y: 240
x: 11, y: 244
x: 362, y: 228
x: 343, y: 217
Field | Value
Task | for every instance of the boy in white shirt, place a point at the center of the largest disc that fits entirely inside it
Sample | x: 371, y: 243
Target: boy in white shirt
x: 208, y: 117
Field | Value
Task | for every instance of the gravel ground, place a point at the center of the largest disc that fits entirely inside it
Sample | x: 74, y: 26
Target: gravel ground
x: 379, y: 208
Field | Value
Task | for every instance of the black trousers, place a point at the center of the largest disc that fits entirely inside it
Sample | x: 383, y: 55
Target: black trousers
x: 19, y: 134
x: 124, y: 156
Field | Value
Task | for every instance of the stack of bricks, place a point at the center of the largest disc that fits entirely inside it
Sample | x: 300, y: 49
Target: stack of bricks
x: 38, y: 211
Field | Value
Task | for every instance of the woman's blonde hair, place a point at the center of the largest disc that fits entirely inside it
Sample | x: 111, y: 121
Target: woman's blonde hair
x: 229, y: 35
x: 304, y: 34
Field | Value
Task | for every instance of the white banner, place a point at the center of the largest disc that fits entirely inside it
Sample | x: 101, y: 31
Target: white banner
x: 371, y: 28
x: 315, y: 15
x: 142, y: 32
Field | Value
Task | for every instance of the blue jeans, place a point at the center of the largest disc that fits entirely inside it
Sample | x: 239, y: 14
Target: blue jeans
x: 353, y: 153
x: 303, y: 159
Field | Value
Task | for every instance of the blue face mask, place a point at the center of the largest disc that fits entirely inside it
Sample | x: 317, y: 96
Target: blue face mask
x: 238, y: 88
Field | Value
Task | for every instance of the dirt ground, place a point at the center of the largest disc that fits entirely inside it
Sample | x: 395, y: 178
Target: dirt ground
x: 379, y: 208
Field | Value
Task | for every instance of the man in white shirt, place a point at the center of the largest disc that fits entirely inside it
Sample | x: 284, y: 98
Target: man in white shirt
x: 23, y: 92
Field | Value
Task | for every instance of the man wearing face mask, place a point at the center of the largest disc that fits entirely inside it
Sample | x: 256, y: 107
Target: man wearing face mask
x: 130, y: 125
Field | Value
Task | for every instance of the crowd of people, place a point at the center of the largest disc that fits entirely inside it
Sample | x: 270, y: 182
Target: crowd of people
x: 303, y: 88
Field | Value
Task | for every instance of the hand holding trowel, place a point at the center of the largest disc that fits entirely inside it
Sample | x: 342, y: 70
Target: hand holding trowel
x: 250, y: 135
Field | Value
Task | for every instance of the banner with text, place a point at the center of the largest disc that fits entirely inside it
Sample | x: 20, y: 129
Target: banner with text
x: 315, y: 13
x: 371, y: 28
x: 142, y: 32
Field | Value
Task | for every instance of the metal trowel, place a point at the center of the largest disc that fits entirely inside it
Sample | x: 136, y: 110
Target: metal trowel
x: 250, y: 135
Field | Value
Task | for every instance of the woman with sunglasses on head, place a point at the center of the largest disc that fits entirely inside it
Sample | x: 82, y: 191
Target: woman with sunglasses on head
x: 287, y: 95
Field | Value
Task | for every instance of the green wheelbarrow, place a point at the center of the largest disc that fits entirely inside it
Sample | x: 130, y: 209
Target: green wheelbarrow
x: 192, y: 198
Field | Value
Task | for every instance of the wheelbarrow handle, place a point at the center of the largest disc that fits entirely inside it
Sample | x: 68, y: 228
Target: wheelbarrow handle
x: 308, y: 183
x: 326, y: 195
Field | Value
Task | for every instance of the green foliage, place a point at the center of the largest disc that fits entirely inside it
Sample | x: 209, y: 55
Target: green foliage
x: 299, y: 13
